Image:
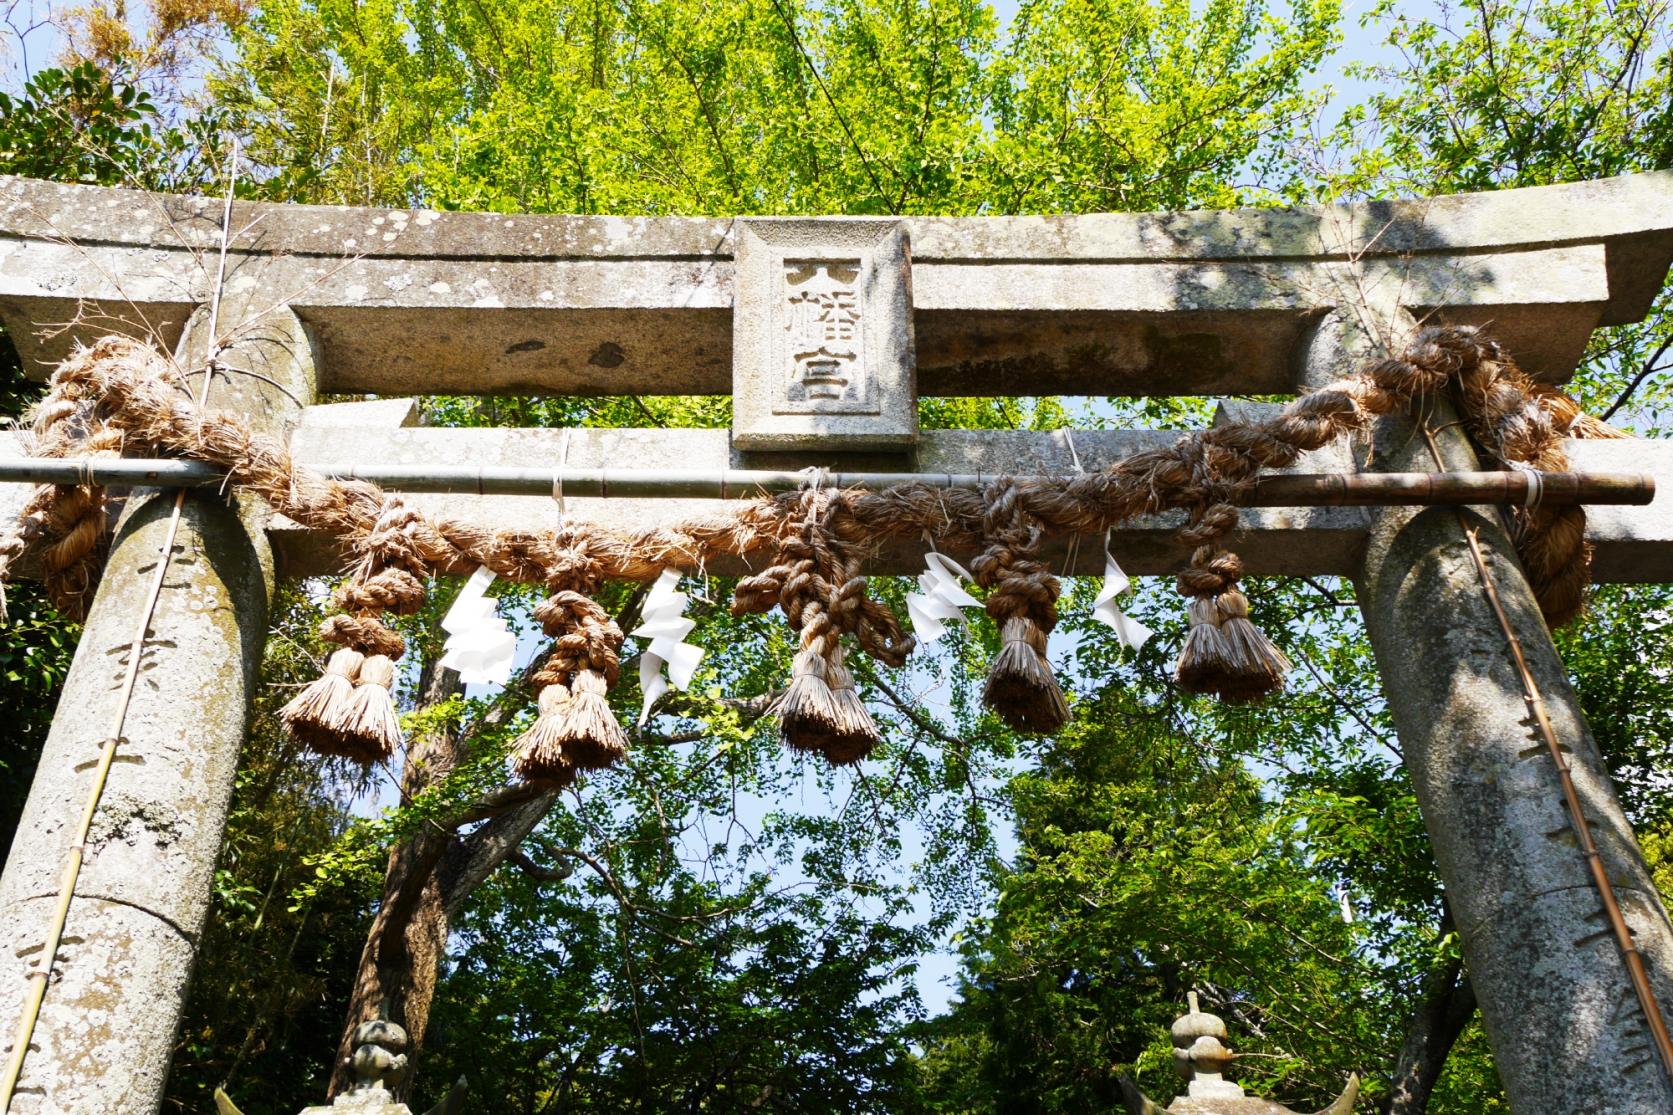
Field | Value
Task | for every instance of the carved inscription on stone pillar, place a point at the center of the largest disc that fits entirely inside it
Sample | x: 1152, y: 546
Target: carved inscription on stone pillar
x: 822, y: 336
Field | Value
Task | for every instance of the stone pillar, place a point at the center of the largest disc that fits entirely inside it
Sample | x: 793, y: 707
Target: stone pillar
x: 119, y: 981
x: 1566, y: 1029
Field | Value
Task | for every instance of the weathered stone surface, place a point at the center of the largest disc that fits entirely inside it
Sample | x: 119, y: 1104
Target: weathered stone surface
x: 379, y: 1061
x: 96, y: 1047
x: 1248, y: 1105
x: 120, y: 982
x: 368, y: 1104
x: 1567, y: 1033
x: 1201, y: 1057
x: 1172, y: 303
x: 374, y: 414
x: 822, y: 336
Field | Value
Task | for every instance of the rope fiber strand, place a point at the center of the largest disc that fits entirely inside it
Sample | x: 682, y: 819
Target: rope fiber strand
x: 122, y: 393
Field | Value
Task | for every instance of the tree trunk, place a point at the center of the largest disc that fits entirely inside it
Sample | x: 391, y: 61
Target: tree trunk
x: 430, y: 875
x: 401, y: 960
x: 1447, y: 1005
x: 428, y: 879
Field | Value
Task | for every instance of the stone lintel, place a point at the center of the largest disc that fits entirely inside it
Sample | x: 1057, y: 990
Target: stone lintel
x: 1632, y: 544
x: 1168, y: 303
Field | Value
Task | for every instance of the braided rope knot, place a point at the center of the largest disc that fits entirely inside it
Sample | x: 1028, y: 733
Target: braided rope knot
x: 587, y: 638
x: 575, y: 728
x: 1022, y: 599
x: 366, y: 634
x: 814, y: 581
x: 392, y: 532
x: 1212, y: 571
x: 388, y: 590
x: 1521, y: 423
x: 571, y: 562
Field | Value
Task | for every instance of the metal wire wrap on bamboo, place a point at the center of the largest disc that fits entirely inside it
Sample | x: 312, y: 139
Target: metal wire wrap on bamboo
x: 120, y: 392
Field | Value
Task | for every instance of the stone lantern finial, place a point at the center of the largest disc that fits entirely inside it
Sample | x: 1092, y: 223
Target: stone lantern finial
x: 1201, y: 1056
x: 378, y: 1060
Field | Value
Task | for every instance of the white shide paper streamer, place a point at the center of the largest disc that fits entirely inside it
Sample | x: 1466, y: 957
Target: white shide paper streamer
x: 664, y: 624
x: 479, y: 645
x: 1129, y: 631
x: 941, y: 599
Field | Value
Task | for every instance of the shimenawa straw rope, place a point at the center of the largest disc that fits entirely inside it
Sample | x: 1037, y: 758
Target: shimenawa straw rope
x: 816, y: 539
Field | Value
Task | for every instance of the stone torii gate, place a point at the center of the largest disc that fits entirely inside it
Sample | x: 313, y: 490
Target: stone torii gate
x: 825, y: 331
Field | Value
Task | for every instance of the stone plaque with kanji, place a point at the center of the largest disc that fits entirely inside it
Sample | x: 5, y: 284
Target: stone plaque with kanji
x: 822, y: 336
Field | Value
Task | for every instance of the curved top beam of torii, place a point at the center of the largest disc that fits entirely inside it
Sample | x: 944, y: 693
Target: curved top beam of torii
x: 1190, y: 303
x: 1187, y: 303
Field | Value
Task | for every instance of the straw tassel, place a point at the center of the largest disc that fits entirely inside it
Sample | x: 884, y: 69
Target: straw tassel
x: 575, y: 728
x: 540, y: 758
x: 856, y: 732
x: 318, y: 715
x: 592, y: 737
x: 1023, y: 601
x: 821, y: 710
x: 351, y: 710
x: 1224, y: 653
x: 807, y: 713
x: 1021, y: 687
x: 372, y: 721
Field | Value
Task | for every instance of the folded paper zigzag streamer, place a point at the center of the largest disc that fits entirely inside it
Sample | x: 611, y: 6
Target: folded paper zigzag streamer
x: 941, y: 599
x: 479, y: 645
x: 666, y: 626
x: 1128, y: 630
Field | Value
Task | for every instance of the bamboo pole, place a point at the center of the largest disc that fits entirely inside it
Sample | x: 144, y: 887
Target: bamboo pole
x: 1279, y: 490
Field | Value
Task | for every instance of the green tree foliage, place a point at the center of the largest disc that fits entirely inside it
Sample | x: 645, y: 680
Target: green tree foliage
x: 1492, y: 94
x: 1152, y: 866
x: 1130, y: 105
x: 652, y: 990
x: 668, y: 106
x: 84, y: 125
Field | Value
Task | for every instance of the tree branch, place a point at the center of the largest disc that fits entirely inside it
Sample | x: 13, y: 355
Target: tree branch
x: 521, y: 860
x: 470, y: 861
x: 1651, y: 366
